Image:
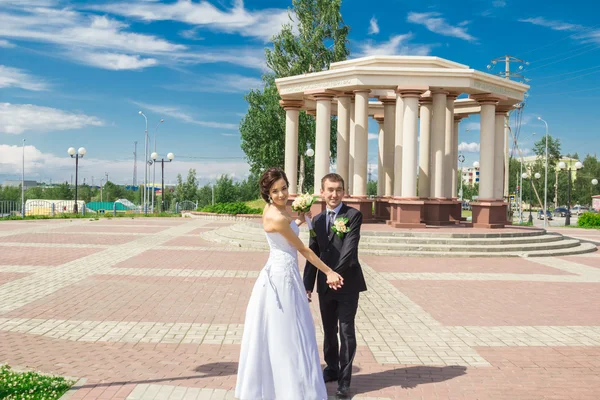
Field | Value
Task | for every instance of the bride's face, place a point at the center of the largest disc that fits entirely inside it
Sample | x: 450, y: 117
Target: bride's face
x: 279, y: 192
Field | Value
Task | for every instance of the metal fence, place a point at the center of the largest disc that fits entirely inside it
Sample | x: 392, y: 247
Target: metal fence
x: 53, y: 208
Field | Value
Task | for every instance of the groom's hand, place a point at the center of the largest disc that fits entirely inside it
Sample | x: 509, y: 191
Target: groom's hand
x: 309, y: 295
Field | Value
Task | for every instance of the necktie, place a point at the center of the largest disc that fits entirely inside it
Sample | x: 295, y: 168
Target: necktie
x: 331, y: 215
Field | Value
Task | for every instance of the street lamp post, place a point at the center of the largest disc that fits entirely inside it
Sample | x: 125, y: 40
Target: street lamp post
x: 144, y: 202
x: 562, y: 165
x: 170, y: 158
x: 76, y: 155
x: 23, y: 184
x: 461, y: 159
x: 154, y: 166
x: 546, y: 179
x: 309, y: 153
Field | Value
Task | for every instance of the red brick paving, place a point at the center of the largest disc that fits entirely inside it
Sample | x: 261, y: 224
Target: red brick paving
x: 192, y: 241
x: 10, y: 276
x: 110, y: 368
x: 91, y: 227
x: 42, y: 256
x: 591, y: 261
x: 197, y: 259
x: 61, y: 238
x: 142, y: 298
x: 201, y: 230
x: 453, y: 265
x: 493, y: 303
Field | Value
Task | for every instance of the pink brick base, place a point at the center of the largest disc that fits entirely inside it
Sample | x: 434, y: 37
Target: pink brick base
x: 61, y: 238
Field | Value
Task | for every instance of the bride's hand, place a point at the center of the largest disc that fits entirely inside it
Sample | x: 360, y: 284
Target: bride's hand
x: 334, y: 280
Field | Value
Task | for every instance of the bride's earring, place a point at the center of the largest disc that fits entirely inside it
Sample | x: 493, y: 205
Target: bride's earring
x: 270, y: 199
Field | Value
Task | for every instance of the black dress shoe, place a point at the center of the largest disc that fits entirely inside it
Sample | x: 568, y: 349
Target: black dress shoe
x: 343, y: 391
x: 329, y: 378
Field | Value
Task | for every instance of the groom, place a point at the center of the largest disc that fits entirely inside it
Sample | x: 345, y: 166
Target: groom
x: 338, y: 307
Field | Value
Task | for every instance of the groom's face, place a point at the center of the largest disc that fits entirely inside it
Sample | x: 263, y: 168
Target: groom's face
x: 332, y: 193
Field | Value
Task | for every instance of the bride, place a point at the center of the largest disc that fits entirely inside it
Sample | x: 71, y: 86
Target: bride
x: 279, y: 358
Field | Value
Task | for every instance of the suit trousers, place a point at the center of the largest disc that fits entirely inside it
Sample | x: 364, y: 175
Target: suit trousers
x: 339, y: 309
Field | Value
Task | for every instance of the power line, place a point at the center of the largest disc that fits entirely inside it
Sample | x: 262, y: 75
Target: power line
x: 212, y: 158
x: 569, y: 79
x: 561, y: 39
x: 567, y: 73
x: 587, y: 46
x: 569, y: 92
x: 565, y: 58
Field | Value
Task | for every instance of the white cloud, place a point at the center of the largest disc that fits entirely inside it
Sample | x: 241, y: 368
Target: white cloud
x: 554, y: 25
x: 468, y: 147
x: 373, y: 27
x: 116, y: 62
x: 6, y: 44
x: 262, y: 24
x: 499, y: 3
x: 397, y: 45
x: 373, y: 136
x: 15, y: 77
x: 106, y: 43
x: 174, y: 112
x: 220, y: 83
x: 18, y: 118
x: 43, y: 166
x: 585, y: 35
x: 435, y: 23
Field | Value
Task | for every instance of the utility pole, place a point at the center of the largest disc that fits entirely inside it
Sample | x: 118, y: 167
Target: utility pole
x: 23, y: 184
x: 134, y: 182
x: 507, y: 74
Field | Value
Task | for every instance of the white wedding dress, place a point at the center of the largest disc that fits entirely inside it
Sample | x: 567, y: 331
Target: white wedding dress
x: 279, y: 358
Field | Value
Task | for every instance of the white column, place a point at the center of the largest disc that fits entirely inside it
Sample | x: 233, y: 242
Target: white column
x: 399, y: 125
x: 361, y: 142
x: 499, y: 154
x: 380, y: 139
x: 322, y: 139
x: 425, y: 148
x: 410, y: 132
x: 350, y: 181
x: 389, y: 123
x: 448, y: 142
x: 343, y: 136
x: 455, y: 157
x: 486, y: 152
x: 438, y: 125
x: 291, y: 143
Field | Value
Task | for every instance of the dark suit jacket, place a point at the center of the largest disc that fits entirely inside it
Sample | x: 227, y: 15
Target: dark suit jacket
x: 341, y: 255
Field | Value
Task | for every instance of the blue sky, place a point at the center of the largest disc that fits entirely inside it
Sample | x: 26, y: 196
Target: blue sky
x: 76, y: 73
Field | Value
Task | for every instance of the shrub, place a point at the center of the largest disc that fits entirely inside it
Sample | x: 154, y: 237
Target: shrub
x: 589, y: 220
x: 231, y: 209
x: 30, y: 385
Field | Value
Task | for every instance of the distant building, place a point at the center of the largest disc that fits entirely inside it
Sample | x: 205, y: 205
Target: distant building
x: 15, y: 183
x: 470, y: 175
x: 567, y: 160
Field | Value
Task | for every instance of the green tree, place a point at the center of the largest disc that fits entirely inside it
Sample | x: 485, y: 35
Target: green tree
x: 187, y: 190
x: 60, y: 192
x: 204, y: 196
x: 11, y: 193
x: 225, y: 190
x: 539, y: 148
x: 248, y: 189
x: 35, y: 193
x: 321, y: 39
x: 372, y: 188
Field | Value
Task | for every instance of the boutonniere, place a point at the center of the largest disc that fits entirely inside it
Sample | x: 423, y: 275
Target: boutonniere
x: 339, y: 227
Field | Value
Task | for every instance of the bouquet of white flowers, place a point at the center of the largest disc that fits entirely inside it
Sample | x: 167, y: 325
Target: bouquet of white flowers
x: 302, y: 204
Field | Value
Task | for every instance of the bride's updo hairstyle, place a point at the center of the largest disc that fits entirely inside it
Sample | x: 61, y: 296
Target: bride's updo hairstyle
x: 267, y: 180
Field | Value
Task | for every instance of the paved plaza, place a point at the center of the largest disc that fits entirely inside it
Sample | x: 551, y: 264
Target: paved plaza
x: 146, y: 309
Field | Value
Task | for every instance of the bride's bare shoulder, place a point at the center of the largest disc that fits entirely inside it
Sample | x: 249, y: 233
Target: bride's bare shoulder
x: 273, y: 220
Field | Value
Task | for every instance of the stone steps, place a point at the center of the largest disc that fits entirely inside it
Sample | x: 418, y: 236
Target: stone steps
x: 245, y: 233
x: 509, y: 244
